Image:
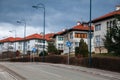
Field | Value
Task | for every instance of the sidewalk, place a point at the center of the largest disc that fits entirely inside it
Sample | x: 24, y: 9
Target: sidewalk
x: 110, y: 74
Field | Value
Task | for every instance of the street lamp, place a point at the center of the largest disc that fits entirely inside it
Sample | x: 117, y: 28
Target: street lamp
x: 90, y: 59
x: 40, y: 5
x: 20, y: 22
x: 14, y: 38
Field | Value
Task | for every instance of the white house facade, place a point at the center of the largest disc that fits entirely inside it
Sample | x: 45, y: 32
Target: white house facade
x: 74, y: 34
x: 102, y: 24
x: 31, y: 41
x: 59, y: 41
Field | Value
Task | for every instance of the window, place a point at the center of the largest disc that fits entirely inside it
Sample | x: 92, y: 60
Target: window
x: 28, y: 46
x: 80, y: 35
x: 114, y: 22
x: 36, y: 40
x: 98, y: 27
x: 20, y: 43
x: 107, y: 24
x: 28, y: 42
x: 97, y: 38
x: 19, y: 47
x: 110, y: 24
x: 10, y: 43
x: 60, y: 46
x: 76, y: 43
x: 71, y: 36
x: 60, y: 38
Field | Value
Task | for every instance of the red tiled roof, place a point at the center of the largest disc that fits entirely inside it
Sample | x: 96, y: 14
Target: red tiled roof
x: 107, y: 16
x: 11, y: 39
x: 49, y: 36
x: 82, y: 27
x: 60, y: 32
x: 18, y: 39
x: 34, y: 36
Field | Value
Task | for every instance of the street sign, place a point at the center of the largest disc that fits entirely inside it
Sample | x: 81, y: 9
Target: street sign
x: 34, y: 50
x: 68, y: 43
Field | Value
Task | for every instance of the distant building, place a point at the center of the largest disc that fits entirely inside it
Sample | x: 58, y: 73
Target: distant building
x: 102, y: 24
x: 9, y: 44
x: 31, y: 41
x: 74, y: 34
x: 59, y: 41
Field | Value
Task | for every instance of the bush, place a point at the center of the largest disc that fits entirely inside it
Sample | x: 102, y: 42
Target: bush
x: 77, y: 51
x: 82, y: 50
x: 52, y: 49
x: 45, y: 53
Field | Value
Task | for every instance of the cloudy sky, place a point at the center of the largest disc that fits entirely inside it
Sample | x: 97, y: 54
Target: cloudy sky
x: 60, y: 14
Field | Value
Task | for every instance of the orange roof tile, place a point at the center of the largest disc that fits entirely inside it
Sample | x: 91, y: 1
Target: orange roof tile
x: 34, y: 36
x: 49, y: 36
x: 82, y: 27
x: 107, y: 16
x: 60, y: 32
x: 11, y: 39
x: 18, y: 39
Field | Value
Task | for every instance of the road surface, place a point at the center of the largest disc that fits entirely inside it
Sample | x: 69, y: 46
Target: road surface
x: 46, y: 71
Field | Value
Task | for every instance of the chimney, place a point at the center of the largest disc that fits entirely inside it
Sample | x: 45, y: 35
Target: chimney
x: 78, y: 23
x: 117, y: 7
x: 64, y: 29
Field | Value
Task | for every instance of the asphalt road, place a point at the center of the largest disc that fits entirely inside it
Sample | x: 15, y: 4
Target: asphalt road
x: 45, y: 71
x: 5, y: 75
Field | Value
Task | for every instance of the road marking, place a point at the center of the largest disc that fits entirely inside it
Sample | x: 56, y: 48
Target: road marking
x: 51, y: 73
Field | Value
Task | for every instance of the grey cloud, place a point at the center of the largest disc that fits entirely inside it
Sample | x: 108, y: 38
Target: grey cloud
x: 59, y: 13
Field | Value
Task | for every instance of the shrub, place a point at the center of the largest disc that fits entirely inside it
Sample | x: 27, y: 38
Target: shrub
x: 52, y: 49
x: 82, y: 49
x: 43, y: 54
x: 77, y: 51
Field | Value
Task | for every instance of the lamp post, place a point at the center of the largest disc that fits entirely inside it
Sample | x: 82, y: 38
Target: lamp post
x: 40, y: 5
x: 14, y: 38
x: 23, y: 21
x: 90, y: 59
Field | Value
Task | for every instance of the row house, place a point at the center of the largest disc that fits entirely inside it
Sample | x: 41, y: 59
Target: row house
x: 27, y: 43
x: 102, y: 25
x: 10, y: 43
x: 74, y: 34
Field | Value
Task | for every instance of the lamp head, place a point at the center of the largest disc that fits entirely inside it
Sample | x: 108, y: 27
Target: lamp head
x: 35, y: 7
x: 18, y: 21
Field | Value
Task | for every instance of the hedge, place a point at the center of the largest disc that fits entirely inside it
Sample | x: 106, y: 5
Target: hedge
x: 106, y: 63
